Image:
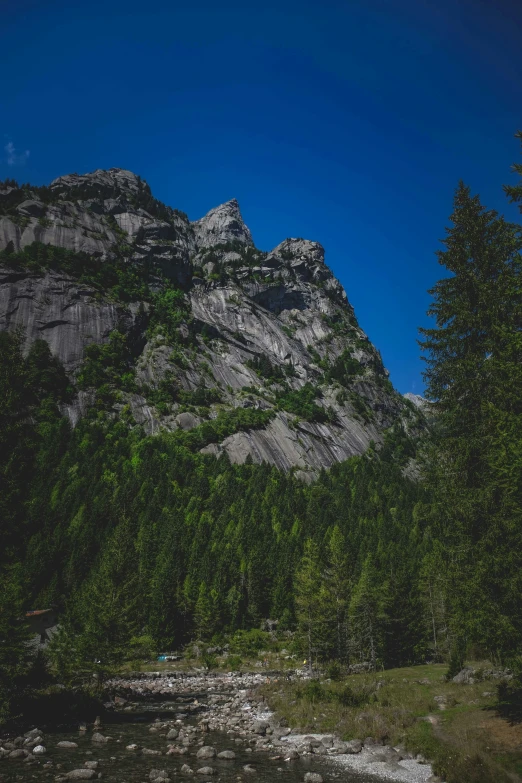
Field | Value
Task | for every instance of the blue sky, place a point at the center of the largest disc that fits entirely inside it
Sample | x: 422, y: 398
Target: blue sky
x: 349, y: 123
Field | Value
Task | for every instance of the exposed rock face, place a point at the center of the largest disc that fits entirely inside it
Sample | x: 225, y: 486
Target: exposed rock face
x: 417, y: 400
x: 221, y: 225
x: 64, y: 225
x: 59, y: 310
x: 125, y: 182
x: 271, y: 332
x: 306, y: 446
x: 94, y: 213
x: 426, y: 407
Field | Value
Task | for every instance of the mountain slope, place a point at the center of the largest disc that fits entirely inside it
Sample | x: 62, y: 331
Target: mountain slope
x: 189, y: 327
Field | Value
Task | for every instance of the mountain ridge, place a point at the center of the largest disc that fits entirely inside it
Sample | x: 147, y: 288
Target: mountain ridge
x: 212, y: 326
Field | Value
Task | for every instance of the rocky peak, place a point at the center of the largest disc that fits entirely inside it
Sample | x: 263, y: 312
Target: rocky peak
x: 103, y: 180
x: 419, y: 401
x: 222, y: 225
x: 299, y: 250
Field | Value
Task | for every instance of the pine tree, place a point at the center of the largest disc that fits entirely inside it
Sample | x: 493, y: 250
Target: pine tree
x: 434, y: 595
x: 205, y: 613
x: 309, y: 600
x: 103, y: 625
x: 15, y: 654
x: 367, y: 614
x: 474, y: 361
x: 337, y: 595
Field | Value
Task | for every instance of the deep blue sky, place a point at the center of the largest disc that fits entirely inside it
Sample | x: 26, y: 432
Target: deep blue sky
x: 348, y: 122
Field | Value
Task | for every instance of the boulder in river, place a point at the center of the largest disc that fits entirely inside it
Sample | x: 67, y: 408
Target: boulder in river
x: 18, y: 753
x: 206, y: 752
x: 81, y: 774
x: 66, y: 744
x: 228, y: 755
x: 33, y: 733
x: 158, y: 776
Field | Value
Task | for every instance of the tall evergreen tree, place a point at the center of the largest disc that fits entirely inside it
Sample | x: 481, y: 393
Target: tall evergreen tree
x: 16, y: 657
x: 367, y: 614
x: 103, y: 623
x: 204, y: 613
x: 337, y: 595
x: 434, y: 596
x: 309, y: 600
x: 474, y: 361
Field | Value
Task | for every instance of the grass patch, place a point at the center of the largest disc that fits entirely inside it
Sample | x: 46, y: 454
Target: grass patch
x: 455, y: 726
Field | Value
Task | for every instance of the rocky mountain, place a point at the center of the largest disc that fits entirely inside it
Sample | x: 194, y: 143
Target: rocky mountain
x: 256, y: 354
x: 419, y: 401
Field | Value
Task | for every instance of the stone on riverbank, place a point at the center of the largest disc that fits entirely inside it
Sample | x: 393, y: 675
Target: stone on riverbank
x: 228, y: 755
x: 18, y: 753
x: 158, y: 775
x: 206, y: 752
x: 81, y: 774
x: 33, y: 733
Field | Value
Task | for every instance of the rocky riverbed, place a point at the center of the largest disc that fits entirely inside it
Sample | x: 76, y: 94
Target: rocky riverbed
x: 159, y: 728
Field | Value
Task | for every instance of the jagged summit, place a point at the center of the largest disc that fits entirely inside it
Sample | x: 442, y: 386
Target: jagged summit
x: 298, y: 249
x: 420, y: 402
x: 417, y: 399
x: 121, y: 179
x: 260, y: 353
x: 221, y: 225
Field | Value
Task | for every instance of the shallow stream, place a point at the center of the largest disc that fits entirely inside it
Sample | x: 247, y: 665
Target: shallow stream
x: 118, y: 765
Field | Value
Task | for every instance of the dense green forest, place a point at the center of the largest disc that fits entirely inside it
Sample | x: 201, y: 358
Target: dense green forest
x: 143, y: 543
x: 203, y: 546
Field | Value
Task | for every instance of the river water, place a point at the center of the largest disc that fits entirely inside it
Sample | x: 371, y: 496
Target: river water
x: 118, y: 765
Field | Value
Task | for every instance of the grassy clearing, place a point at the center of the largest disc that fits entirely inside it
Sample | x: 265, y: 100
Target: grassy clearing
x: 456, y: 727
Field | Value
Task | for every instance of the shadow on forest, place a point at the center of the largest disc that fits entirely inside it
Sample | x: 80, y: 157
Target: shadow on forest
x: 66, y: 709
x: 509, y: 705
x: 53, y: 709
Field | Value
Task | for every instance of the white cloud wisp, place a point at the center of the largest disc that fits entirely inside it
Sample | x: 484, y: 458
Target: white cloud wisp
x: 13, y: 157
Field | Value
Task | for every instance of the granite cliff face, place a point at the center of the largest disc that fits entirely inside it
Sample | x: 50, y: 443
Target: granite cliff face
x: 221, y: 225
x: 268, y: 332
